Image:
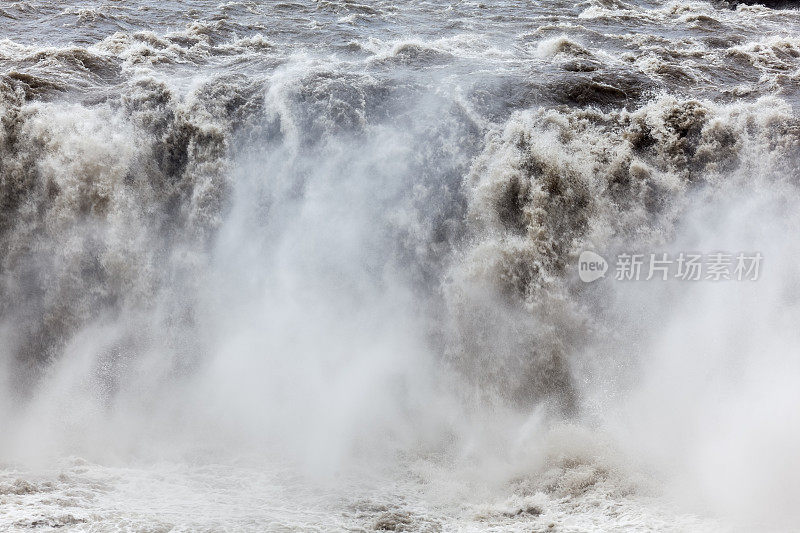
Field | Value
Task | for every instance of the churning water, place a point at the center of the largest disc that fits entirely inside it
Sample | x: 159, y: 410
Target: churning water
x: 312, y: 266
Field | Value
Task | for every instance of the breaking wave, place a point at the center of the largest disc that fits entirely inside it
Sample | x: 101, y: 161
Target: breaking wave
x: 321, y: 263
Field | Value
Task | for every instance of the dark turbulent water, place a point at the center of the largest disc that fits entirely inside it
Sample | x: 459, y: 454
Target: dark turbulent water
x: 312, y: 266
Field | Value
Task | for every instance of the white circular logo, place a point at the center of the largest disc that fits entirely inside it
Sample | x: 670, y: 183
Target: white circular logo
x: 591, y: 266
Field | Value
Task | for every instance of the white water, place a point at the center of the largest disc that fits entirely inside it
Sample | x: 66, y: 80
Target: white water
x: 271, y: 273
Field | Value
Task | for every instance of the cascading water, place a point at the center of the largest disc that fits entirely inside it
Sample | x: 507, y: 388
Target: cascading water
x: 314, y: 266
